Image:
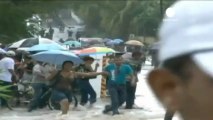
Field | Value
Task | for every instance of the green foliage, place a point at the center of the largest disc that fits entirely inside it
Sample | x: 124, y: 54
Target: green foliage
x: 4, y: 91
x: 121, y: 18
x: 111, y: 18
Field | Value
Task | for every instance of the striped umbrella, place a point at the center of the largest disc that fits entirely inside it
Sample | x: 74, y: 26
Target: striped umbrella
x: 94, y: 50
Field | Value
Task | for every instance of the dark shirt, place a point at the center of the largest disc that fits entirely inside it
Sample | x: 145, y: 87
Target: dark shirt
x: 29, y: 67
x: 85, y: 69
x: 62, y: 83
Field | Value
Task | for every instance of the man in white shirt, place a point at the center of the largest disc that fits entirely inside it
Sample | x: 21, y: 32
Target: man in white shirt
x: 7, y: 71
x: 39, y: 85
x: 7, y: 67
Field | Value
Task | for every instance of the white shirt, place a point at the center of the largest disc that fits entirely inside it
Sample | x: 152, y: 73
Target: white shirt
x: 47, y: 69
x: 6, y: 64
x: 38, y: 74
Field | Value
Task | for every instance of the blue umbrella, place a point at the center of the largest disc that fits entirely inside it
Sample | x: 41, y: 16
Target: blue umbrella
x: 57, y: 57
x: 106, y: 40
x: 118, y: 40
x: 45, y: 47
x: 114, y: 42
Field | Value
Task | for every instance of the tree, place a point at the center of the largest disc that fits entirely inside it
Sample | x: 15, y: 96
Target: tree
x: 105, y: 17
x: 14, y: 13
x: 120, y: 18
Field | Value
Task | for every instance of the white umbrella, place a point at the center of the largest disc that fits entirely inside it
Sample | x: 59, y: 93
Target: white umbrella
x: 2, y: 51
x: 29, y: 42
x: 127, y: 56
x: 17, y: 44
x: 134, y: 43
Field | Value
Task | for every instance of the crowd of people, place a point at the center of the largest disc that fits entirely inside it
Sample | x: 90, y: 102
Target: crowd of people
x: 121, y: 80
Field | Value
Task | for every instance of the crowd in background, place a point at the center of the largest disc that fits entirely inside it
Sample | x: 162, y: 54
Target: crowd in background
x: 121, y: 80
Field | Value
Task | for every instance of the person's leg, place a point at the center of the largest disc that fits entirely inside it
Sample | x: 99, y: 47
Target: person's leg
x: 134, y: 96
x: 42, y: 98
x: 84, y: 97
x: 84, y: 92
x: 114, y: 100
x: 129, y: 95
x: 64, y: 103
x: 122, y: 94
x: 61, y: 98
x: 37, y: 94
x: 92, y: 93
x: 169, y: 115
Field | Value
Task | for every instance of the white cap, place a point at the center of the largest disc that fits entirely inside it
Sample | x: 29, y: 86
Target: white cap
x: 10, y: 53
x: 188, y: 29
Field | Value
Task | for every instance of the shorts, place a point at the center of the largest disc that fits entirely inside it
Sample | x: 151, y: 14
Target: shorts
x: 58, y: 95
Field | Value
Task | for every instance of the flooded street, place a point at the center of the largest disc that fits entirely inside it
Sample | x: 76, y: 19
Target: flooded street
x: 152, y: 110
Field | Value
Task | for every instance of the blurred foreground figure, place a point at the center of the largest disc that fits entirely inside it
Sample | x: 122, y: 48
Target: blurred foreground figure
x: 184, y: 82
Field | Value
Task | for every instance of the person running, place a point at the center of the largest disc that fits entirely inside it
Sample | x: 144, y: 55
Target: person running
x: 62, y: 89
x: 118, y: 73
x: 183, y: 83
x: 86, y: 89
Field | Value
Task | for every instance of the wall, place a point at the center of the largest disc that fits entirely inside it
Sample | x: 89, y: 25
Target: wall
x: 96, y: 83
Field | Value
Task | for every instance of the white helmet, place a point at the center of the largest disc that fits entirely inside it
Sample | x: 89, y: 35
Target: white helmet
x: 10, y: 53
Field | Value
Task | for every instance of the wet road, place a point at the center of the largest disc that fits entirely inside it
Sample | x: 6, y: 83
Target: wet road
x: 152, y: 109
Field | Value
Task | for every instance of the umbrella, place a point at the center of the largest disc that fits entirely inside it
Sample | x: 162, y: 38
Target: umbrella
x: 29, y: 42
x: 72, y: 43
x: 127, y: 56
x: 114, y: 42
x: 106, y: 40
x: 118, y: 40
x: 94, y: 50
x: 134, y: 42
x: 45, y: 47
x: 2, y: 51
x: 57, y: 57
x: 91, y: 40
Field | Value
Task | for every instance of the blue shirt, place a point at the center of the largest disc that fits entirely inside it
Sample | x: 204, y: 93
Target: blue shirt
x: 118, y: 74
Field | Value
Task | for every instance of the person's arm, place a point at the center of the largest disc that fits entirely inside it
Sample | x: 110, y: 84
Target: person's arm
x: 130, y: 75
x: 13, y: 73
x: 89, y: 74
x: 106, y: 71
x: 52, y: 75
x: 96, y: 67
x: 10, y: 64
x: 37, y: 71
